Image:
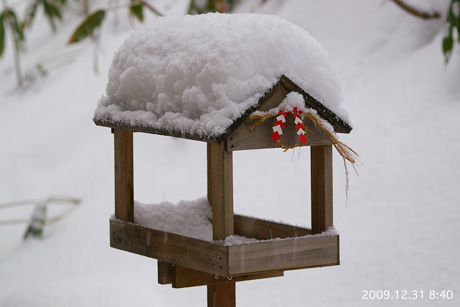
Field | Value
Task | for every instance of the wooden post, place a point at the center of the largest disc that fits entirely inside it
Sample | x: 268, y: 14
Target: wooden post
x: 222, y: 295
x: 124, y: 190
x: 321, y: 188
x: 220, y: 195
x: 220, y: 190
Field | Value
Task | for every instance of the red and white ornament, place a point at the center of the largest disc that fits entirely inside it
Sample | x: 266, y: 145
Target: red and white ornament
x: 279, y: 125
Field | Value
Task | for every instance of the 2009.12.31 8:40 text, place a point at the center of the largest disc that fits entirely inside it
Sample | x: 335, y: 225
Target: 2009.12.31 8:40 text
x: 407, y: 295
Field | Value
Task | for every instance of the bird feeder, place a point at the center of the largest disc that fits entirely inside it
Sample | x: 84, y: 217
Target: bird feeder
x: 184, y: 261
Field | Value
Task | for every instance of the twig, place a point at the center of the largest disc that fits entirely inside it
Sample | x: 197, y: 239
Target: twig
x: 117, y: 7
x: 18, y: 203
x: 13, y: 222
x: 416, y: 12
x: 39, y: 220
x: 96, y: 51
x: 150, y: 7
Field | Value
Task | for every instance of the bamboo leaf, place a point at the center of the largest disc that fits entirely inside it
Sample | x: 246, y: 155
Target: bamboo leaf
x: 13, y: 20
x: 137, y: 11
x: 30, y: 15
x: 2, y: 35
x: 88, y: 26
x: 447, y: 46
x: 453, y: 22
x: 37, y: 221
x: 53, y: 13
x: 453, y: 13
x: 456, y: 7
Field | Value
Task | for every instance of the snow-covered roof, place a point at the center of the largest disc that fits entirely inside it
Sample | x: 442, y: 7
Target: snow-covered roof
x: 195, y: 76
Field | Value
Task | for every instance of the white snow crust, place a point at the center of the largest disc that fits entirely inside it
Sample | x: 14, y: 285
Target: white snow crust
x: 197, y: 74
x: 191, y: 218
x: 187, y: 218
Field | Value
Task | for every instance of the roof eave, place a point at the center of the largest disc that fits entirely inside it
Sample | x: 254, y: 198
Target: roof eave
x: 340, y: 126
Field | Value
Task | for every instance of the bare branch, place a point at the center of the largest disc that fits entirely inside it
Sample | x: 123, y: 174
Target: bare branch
x: 416, y: 12
x: 151, y: 8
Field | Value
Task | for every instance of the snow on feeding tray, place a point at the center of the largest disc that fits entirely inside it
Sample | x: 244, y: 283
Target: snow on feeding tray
x: 187, y: 218
x: 191, y: 219
x: 194, y: 76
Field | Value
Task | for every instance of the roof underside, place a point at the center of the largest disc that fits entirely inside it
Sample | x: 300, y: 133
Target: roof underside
x: 340, y: 126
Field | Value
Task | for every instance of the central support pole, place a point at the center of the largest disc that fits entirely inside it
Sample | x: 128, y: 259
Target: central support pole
x: 220, y: 195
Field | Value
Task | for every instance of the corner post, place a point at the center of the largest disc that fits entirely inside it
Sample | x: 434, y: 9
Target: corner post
x: 220, y: 190
x: 124, y: 189
x: 321, y: 188
x: 220, y: 195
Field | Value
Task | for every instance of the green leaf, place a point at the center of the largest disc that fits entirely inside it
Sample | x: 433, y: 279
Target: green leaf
x: 88, y: 26
x: 457, y: 7
x: 41, y: 70
x: 30, y: 15
x: 453, y: 14
x: 137, y: 11
x: 13, y: 21
x: 2, y: 35
x: 37, y: 221
x: 53, y: 13
x: 447, y: 46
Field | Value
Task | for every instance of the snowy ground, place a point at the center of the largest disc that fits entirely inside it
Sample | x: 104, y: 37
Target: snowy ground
x: 399, y: 231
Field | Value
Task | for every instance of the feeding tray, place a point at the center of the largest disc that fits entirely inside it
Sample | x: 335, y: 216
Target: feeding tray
x: 293, y: 248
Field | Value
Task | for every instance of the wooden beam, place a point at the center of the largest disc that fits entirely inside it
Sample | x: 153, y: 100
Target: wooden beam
x: 283, y: 255
x: 263, y: 230
x: 183, y: 277
x: 245, y: 138
x: 220, y: 190
x: 169, y: 247
x: 165, y: 272
x: 124, y: 189
x: 220, y: 195
x: 321, y: 188
x: 222, y: 295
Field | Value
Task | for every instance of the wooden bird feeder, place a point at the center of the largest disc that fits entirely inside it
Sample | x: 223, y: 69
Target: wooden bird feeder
x: 184, y: 261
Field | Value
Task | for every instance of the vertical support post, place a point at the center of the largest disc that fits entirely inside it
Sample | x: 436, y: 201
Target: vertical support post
x: 124, y: 189
x: 165, y: 273
x: 220, y: 195
x: 220, y: 190
x: 321, y: 188
x: 222, y: 295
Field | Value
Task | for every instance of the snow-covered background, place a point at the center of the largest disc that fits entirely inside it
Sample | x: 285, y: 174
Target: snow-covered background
x: 399, y: 231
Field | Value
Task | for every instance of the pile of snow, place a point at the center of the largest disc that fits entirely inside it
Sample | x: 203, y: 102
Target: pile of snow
x: 192, y: 218
x: 197, y: 74
x: 186, y: 218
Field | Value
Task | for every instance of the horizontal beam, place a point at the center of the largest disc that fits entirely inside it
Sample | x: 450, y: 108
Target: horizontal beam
x: 183, y: 277
x: 169, y: 247
x: 287, y: 254
x: 263, y: 230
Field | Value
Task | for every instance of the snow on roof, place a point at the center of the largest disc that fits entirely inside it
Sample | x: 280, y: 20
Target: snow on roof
x: 198, y: 74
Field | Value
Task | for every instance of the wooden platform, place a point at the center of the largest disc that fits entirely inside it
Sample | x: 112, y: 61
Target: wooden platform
x: 295, y: 248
